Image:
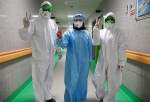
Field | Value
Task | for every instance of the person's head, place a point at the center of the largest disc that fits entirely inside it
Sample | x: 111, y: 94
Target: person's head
x: 46, y: 9
x: 78, y: 22
x: 109, y: 20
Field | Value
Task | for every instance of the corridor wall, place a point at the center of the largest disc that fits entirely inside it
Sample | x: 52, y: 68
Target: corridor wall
x: 14, y: 73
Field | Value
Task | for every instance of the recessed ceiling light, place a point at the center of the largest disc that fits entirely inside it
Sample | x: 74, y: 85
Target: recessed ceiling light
x: 70, y: 16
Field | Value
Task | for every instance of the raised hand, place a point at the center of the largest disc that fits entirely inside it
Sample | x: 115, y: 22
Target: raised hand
x: 97, y: 24
x: 26, y: 21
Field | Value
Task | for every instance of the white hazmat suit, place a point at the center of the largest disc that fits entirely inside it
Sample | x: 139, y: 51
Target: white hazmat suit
x: 112, y: 55
x: 41, y: 33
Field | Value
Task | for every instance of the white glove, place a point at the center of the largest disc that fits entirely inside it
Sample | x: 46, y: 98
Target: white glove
x: 26, y: 22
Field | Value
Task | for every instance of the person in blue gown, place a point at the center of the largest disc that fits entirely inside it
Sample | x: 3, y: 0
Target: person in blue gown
x: 78, y: 42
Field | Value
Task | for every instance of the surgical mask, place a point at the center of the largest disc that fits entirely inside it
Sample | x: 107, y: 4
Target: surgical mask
x: 78, y: 24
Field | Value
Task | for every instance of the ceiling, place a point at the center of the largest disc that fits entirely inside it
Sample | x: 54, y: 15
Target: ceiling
x: 63, y: 8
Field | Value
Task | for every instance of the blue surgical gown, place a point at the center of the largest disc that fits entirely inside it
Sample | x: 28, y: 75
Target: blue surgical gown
x: 78, y: 57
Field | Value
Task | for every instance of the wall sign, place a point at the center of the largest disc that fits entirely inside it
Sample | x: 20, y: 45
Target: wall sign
x: 142, y: 9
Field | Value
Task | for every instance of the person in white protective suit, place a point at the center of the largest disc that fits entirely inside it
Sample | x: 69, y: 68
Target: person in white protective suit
x: 112, y: 58
x: 41, y: 33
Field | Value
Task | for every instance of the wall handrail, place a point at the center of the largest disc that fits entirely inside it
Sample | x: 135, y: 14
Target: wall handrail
x: 12, y: 55
x: 138, y: 56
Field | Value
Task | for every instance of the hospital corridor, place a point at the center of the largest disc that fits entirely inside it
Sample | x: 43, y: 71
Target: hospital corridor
x: 26, y: 93
x: 74, y: 51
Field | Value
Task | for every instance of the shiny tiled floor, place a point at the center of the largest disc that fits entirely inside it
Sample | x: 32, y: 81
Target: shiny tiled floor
x: 26, y: 95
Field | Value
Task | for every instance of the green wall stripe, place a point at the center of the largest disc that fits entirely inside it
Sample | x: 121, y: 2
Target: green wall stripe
x: 18, y: 90
x: 130, y: 94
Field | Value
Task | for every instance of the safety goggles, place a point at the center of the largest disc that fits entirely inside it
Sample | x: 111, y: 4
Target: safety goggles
x: 75, y: 20
x: 110, y: 19
x: 48, y: 8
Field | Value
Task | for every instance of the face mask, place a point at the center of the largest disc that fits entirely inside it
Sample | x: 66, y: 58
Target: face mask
x: 78, y: 24
x: 44, y: 13
x: 109, y: 24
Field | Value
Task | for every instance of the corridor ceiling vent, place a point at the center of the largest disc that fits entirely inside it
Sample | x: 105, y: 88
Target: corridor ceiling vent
x: 71, y: 3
